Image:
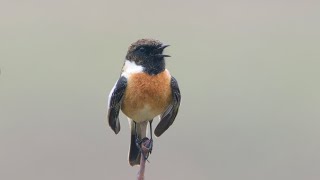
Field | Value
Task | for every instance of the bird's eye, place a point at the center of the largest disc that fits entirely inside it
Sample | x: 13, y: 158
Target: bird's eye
x: 142, y: 50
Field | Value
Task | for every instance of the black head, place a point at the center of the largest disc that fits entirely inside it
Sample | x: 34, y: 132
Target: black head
x: 149, y: 54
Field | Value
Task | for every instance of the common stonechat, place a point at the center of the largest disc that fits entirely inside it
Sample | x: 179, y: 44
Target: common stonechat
x: 144, y: 91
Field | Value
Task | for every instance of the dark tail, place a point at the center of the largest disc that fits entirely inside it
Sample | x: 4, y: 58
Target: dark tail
x: 134, y: 152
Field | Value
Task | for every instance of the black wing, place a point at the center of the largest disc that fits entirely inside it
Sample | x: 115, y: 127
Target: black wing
x: 168, y: 116
x: 115, y: 98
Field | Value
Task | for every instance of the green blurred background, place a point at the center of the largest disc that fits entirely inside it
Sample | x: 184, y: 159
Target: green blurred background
x: 248, y: 73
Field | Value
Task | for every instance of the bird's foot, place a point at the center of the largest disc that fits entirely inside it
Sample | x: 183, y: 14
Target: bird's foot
x: 145, y: 147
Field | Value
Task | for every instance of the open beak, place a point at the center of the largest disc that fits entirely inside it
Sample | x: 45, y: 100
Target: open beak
x: 160, y: 49
x: 163, y: 46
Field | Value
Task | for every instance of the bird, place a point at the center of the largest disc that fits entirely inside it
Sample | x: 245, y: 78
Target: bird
x: 145, y: 90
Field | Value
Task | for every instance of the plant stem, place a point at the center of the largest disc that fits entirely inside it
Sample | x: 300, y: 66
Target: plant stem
x: 146, y: 146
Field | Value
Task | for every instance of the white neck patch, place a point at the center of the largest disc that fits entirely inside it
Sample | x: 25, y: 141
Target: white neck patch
x: 131, y: 68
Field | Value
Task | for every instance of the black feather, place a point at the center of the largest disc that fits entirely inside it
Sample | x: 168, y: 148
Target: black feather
x: 169, y: 115
x: 115, y: 103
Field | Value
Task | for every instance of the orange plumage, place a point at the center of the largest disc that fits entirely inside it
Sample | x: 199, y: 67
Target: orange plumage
x: 146, y: 95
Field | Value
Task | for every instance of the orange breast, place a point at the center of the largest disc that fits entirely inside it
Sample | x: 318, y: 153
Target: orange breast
x: 146, y: 96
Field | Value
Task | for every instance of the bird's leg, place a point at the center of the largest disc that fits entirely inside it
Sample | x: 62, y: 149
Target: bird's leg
x: 147, y: 144
x: 151, y: 140
x: 138, y: 141
x: 144, y: 145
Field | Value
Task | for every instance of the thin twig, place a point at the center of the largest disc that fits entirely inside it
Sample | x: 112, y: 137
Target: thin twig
x: 145, y: 150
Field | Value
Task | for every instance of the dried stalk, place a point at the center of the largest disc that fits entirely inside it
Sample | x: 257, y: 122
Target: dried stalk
x: 146, y: 146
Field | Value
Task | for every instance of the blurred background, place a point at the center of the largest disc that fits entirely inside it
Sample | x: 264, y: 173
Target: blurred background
x: 248, y: 73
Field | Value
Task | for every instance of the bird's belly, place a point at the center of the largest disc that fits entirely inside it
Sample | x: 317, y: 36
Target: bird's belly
x: 146, y: 96
x: 142, y: 114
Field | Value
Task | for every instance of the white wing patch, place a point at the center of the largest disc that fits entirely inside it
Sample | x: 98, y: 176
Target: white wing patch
x: 109, y: 98
x: 131, y: 68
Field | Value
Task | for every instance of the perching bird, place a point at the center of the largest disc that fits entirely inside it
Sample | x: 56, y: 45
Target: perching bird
x: 144, y: 91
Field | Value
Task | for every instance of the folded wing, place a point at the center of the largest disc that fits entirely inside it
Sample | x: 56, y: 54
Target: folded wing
x: 115, y: 99
x: 168, y: 116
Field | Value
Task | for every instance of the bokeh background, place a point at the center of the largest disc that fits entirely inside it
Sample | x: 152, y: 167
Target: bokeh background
x: 248, y: 73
